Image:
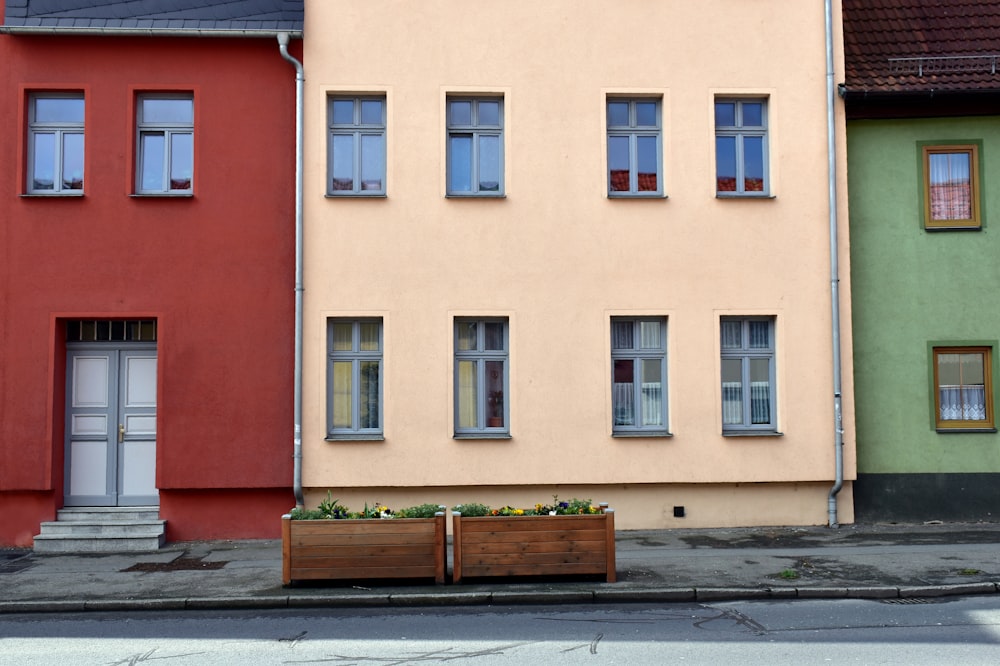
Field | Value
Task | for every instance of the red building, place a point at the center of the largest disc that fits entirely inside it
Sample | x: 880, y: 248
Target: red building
x: 147, y: 252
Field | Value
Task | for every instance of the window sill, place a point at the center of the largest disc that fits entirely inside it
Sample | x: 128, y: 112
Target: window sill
x: 359, y: 437
x: 752, y: 433
x: 655, y: 196
x: 162, y: 195
x: 962, y: 227
x: 482, y: 435
x: 724, y: 195
x: 639, y: 433
x: 357, y: 195
x: 957, y: 431
x: 452, y: 195
x: 52, y: 195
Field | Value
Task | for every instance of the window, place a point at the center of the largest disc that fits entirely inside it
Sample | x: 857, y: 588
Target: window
x: 741, y: 147
x: 638, y: 375
x: 166, y: 144
x: 951, y: 186
x: 354, y: 378
x: 963, y: 388
x: 748, y: 398
x: 634, y: 147
x: 475, y: 146
x: 55, y: 144
x: 481, y: 385
x: 356, y: 147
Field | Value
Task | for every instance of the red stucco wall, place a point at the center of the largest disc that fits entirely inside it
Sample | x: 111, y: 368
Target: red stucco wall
x: 216, y: 270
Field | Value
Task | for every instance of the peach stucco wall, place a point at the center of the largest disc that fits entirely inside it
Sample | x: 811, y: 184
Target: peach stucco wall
x: 559, y: 258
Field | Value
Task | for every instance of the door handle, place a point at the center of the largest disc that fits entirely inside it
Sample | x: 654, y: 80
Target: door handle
x: 121, y: 433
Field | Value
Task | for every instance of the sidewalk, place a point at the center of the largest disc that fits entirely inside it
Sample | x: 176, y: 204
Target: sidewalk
x: 866, y: 561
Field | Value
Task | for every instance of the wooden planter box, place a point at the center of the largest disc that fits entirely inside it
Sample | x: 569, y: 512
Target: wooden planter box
x: 534, y: 545
x: 364, y: 549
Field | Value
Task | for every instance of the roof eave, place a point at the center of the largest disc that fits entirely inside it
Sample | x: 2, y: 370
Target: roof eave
x: 147, y: 32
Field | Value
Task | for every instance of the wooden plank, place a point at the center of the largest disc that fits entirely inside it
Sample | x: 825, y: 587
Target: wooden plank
x: 534, y: 547
x: 527, y: 523
x: 386, y: 526
x: 472, y: 571
x: 420, y: 549
x: 535, y: 535
x: 457, y: 547
x: 612, y: 573
x: 362, y: 573
x: 534, y: 558
x: 360, y: 562
x: 361, y: 539
x: 286, y: 555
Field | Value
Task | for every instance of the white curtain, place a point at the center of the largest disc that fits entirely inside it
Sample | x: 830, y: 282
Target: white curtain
x: 963, y: 403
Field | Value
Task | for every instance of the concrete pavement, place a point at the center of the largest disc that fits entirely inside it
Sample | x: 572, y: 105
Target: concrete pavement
x: 902, y: 562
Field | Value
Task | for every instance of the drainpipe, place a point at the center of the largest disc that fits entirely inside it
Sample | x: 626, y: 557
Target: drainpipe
x: 831, y: 147
x: 297, y: 438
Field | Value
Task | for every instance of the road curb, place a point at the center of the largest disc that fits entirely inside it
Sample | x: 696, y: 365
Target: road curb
x: 496, y: 598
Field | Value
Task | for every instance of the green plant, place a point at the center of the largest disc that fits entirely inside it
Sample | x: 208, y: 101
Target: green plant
x: 331, y: 509
x: 969, y: 572
x: 789, y: 574
x: 570, y: 507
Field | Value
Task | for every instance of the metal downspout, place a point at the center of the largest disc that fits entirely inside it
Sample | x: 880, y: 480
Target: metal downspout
x: 838, y: 427
x: 297, y: 441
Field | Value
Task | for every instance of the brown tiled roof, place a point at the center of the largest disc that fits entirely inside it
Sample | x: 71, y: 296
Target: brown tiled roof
x: 921, y: 45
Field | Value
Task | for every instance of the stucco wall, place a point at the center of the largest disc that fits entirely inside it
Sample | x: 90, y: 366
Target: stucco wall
x: 215, y: 270
x: 558, y: 257
x: 914, y: 288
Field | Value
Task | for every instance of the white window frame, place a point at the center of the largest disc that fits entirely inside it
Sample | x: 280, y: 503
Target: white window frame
x: 745, y: 353
x: 641, y: 405
x: 60, y: 130
x: 741, y: 131
x: 357, y: 129
x: 168, y: 130
x: 632, y: 131
x: 485, y: 399
x: 355, y: 356
x: 476, y: 129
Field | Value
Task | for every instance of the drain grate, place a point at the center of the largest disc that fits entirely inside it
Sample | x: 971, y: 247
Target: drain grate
x: 180, y: 564
x: 909, y: 601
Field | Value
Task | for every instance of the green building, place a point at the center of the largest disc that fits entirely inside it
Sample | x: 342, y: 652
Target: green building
x: 922, y: 94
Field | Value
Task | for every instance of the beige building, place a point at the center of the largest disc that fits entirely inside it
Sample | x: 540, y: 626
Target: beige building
x: 574, y: 248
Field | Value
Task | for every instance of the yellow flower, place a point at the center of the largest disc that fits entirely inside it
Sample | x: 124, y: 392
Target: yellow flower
x: 519, y: 512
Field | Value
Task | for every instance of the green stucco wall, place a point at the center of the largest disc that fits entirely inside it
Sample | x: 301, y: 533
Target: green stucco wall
x: 912, y: 289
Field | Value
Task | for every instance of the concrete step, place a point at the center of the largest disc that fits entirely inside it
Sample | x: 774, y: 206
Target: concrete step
x: 97, y: 544
x: 107, y: 513
x: 102, y: 530
x: 119, y: 528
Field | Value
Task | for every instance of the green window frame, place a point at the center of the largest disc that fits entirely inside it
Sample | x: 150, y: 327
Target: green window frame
x: 950, y: 183
x: 354, y: 378
x: 482, y: 386
x: 963, y: 388
x: 356, y: 145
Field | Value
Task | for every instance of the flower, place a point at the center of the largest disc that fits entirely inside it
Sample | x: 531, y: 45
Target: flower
x: 331, y: 509
x: 557, y: 508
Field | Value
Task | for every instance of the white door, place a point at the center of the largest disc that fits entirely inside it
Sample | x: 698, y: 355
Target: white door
x: 111, y: 425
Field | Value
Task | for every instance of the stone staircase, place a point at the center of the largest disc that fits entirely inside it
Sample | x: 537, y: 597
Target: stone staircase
x: 102, y: 530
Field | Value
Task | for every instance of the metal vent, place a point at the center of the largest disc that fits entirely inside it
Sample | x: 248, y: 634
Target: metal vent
x: 909, y: 601
x: 111, y: 330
